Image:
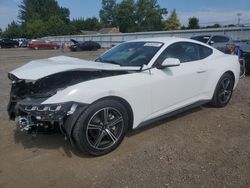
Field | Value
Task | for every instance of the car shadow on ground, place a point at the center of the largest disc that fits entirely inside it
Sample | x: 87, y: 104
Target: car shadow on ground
x: 47, y: 141
x: 57, y: 141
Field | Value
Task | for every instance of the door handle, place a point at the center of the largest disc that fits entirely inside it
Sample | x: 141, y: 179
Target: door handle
x: 201, y: 71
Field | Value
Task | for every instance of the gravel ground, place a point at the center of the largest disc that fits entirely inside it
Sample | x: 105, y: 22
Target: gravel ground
x: 203, y: 147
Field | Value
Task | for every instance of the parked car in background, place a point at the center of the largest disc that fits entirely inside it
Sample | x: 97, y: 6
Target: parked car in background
x: 84, y: 46
x: 95, y: 103
x: 217, y: 41
x: 8, y: 43
x: 23, y: 42
x: 38, y: 44
x: 244, y: 54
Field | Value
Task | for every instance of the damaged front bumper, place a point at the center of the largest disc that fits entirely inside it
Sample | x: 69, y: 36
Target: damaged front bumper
x: 31, y: 115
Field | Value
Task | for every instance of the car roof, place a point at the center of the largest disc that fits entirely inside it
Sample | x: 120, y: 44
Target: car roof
x: 168, y: 40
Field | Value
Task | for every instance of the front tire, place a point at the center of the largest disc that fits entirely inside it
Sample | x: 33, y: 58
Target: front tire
x: 223, y: 91
x: 101, y: 128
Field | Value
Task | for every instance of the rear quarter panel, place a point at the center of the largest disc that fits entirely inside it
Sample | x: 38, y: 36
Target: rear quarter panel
x: 217, y: 65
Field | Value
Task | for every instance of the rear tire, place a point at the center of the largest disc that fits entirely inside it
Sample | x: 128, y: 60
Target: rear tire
x: 223, y: 91
x: 101, y: 128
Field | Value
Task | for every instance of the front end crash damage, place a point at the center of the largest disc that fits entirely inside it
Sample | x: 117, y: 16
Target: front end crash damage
x: 27, y: 105
x: 34, y: 117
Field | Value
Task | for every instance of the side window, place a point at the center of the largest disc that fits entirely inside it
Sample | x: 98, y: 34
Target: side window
x: 218, y: 39
x: 204, y: 51
x: 184, y: 51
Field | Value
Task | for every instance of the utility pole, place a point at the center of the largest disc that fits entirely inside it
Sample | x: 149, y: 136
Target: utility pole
x: 239, y: 16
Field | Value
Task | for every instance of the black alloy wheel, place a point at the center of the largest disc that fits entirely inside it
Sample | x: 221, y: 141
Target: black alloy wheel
x: 101, y: 128
x: 223, y: 91
x: 104, y: 128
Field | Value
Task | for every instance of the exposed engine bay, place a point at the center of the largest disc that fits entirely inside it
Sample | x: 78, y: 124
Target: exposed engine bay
x: 26, y: 98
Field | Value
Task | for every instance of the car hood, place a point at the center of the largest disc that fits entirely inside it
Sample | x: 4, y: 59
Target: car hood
x: 74, y: 41
x: 37, y: 69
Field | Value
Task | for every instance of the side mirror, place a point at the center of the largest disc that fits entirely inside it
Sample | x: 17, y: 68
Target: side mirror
x: 169, y: 62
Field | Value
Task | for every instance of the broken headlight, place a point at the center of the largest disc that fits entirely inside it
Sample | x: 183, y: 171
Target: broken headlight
x: 43, y: 108
x: 48, y: 112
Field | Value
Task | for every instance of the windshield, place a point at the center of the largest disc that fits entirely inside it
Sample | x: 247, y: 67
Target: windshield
x: 131, y: 53
x: 203, y: 39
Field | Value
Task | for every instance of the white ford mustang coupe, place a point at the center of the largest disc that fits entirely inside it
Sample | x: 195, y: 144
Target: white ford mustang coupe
x: 94, y: 103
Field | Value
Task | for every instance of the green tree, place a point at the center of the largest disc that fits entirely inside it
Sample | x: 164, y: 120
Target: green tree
x: 193, y: 23
x: 13, y: 30
x: 77, y: 25
x: 46, y: 17
x: 131, y: 15
x: 183, y: 27
x: 214, y: 26
x: 55, y: 26
x: 92, y: 24
x: 149, y: 15
x: 172, y: 23
x: 126, y: 16
x: 36, y: 28
x: 108, y: 13
x: 30, y: 10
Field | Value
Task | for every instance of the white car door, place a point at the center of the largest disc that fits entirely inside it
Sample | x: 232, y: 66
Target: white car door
x: 175, y: 87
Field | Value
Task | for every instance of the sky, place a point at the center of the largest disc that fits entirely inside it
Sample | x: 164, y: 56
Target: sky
x: 208, y: 11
